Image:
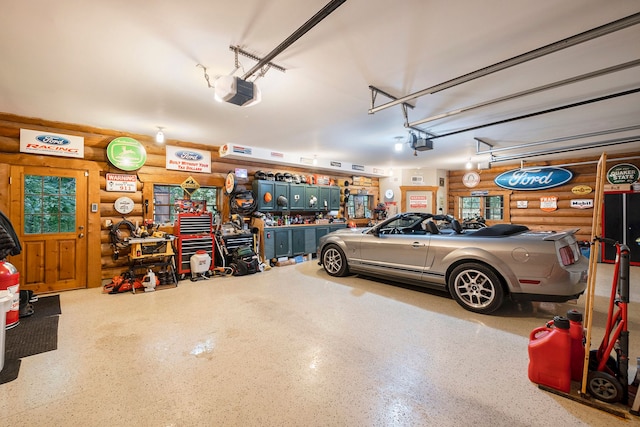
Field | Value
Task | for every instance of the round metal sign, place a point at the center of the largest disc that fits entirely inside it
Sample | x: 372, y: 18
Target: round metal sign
x: 123, y: 205
x: 126, y: 153
x: 624, y: 173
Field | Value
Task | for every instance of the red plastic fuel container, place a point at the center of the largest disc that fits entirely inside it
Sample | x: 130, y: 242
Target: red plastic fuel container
x: 550, y: 355
x: 577, y: 344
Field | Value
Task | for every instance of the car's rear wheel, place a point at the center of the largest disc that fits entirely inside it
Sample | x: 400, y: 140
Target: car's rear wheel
x: 334, y: 261
x: 476, y: 287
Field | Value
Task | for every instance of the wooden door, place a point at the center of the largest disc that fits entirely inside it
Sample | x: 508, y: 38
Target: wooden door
x: 49, y: 213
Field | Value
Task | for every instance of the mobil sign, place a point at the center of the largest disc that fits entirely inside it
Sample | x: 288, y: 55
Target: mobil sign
x: 533, y: 179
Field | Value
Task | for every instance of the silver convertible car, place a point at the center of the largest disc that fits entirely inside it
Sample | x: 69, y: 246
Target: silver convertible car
x: 480, y: 268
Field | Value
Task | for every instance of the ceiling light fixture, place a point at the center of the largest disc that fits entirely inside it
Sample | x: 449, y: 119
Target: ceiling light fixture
x: 160, y: 136
x: 315, y: 160
x: 469, y: 165
x: 398, y: 145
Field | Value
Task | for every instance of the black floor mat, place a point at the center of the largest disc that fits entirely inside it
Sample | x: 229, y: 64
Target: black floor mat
x: 35, y: 334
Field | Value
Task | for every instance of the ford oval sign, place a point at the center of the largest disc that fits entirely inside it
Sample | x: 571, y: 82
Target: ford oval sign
x: 53, y: 139
x: 533, y: 179
x: 189, y: 155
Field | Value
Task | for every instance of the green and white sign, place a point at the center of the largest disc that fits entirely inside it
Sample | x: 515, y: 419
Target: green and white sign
x: 126, y: 153
x: 624, y: 173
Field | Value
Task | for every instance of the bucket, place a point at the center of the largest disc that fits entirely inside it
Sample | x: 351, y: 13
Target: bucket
x: 10, y: 281
x: 550, y: 355
x: 6, y: 298
x: 200, y: 262
x: 576, y: 331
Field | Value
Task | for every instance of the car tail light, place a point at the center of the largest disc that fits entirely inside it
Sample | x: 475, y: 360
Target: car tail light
x: 566, y: 255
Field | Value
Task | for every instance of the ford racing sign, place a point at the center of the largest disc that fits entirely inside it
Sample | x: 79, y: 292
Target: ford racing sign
x: 51, y: 144
x: 533, y: 179
x: 188, y: 159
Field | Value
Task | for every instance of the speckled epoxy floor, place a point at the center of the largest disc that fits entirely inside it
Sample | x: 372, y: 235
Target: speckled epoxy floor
x: 292, y: 347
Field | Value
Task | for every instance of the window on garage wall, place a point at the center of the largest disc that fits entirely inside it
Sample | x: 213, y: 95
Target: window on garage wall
x: 488, y: 207
x: 360, y: 206
x: 165, y: 196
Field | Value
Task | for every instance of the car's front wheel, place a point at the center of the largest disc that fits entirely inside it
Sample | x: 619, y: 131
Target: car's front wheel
x: 334, y: 261
x: 476, y: 287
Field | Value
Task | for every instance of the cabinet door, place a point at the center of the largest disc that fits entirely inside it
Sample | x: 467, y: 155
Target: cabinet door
x: 283, y: 245
x: 334, y: 201
x: 269, y: 244
x: 325, y: 198
x: 311, y: 193
x: 281, y: 196
x: 264, y: 191
x: 320, y: 231
x: 310, y: 243
x: 296, y: 197
x: 297, y: 241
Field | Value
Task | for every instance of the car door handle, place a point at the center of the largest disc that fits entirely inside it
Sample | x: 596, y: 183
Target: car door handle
x: 418, y: 244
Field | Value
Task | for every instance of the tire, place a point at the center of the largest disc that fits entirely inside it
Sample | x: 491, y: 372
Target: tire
x: 610, y: 364
x: 605, y: 387
x: 334, y: 261
x: 476, y: 288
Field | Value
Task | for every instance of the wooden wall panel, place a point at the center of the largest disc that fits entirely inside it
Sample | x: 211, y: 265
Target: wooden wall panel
x: 584, y: 173
x: 102, y: 268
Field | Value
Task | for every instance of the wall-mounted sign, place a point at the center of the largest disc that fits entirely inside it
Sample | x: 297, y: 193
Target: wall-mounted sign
x: 51, y: 144
x: 533, y: 179
x: 121, y: 182
x: 126, y: 153
x: 617, y: 187
x: 582, y: 203
x: 522, y: 204
x: 336, y: 164
x: 624, y: 173
x: 357, y: 167
x: 471, y: 179
x: 241, y: 173
x: 549, y: 203
x: 230, y: 183
x: 417, y: 202
x: 479, y: 193
x: 581, y: 190
x: 190, y: 185
x: 123, y: 205
x: 188, y: 159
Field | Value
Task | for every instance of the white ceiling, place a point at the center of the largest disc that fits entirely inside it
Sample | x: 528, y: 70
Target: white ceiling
x: 131, y: 66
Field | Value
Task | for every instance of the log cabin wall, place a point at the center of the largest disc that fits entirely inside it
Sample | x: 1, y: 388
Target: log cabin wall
x: 564, y: 217
x: 103, y: 268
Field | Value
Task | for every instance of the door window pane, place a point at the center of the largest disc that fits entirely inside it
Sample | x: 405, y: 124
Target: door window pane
x: 49, y: 204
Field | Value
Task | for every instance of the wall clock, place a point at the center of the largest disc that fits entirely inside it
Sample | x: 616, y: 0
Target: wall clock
x: 388, y: 194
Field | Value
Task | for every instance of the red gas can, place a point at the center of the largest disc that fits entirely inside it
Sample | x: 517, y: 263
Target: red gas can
x: 10, y: 281
x: 550, y: 355
x: 577, y: 344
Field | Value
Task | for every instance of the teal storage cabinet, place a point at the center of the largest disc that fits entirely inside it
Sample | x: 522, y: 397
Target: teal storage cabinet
x: 296, y: 197
x: 281, y: 189
x: 309, y: 192
x: 282, y: 242
x: 260, y: 188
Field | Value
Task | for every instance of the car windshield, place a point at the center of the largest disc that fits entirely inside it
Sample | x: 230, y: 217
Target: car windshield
x: 407, y: 220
